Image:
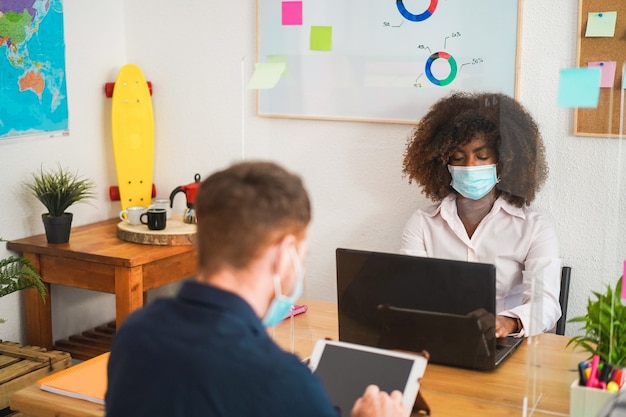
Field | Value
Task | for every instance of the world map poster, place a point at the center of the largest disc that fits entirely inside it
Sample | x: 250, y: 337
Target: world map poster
x: 33, y: 97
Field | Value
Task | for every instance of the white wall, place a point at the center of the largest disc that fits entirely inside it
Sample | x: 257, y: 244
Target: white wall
x: 198, y: 56
x: 95, y: 48
x: 584, y: 194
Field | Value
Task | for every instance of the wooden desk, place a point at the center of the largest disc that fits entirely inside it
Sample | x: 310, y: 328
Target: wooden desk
x: 453, y: 391
x: 96, y: 259
x: 448, y: 391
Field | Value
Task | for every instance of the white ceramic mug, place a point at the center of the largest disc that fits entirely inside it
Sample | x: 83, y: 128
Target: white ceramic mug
x: 132, y: 214
x: 163, y: 203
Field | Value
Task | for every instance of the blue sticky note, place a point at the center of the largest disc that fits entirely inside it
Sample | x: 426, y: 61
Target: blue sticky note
x: 579, y: 87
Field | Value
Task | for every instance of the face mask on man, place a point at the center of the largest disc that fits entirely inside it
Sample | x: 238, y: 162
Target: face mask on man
x: 473, y: 182
x: 281, y: 304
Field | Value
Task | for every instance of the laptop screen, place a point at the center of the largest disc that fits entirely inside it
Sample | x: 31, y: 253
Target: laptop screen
x: 367, y: 280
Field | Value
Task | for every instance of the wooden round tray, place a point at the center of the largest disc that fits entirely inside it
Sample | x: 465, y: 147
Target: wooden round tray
x: 176, y: 232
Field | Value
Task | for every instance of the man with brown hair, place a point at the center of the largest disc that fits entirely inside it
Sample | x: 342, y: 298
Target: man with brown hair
x: 206, y: 352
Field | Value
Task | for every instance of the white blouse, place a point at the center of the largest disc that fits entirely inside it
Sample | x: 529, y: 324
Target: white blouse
x: 520, y: 242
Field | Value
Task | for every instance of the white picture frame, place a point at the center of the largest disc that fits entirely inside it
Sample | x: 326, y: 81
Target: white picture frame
x: 378, y: 65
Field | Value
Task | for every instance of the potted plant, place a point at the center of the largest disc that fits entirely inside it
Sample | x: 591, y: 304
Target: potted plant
x: 57, y: 189
x: 605, y: 336
x: 604, y: 327
x: 16, y: 274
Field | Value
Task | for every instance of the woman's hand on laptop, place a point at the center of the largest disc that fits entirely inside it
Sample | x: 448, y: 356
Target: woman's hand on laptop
x: 506, y: 325
x: 377, y: 403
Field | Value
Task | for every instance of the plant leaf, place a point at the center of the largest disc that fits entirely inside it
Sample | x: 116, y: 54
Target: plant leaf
x: 604, y: 326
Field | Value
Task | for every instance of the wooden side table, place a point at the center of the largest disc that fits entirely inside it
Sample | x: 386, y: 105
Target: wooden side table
x: 96, y: 259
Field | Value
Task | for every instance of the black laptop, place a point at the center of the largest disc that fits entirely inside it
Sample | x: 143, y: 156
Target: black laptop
x: 444, y: 307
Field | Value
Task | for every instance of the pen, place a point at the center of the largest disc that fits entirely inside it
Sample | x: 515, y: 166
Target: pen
x: 582, y: 380
x: 592, y: 381
x: 606, y: 373
x: 618, y: 377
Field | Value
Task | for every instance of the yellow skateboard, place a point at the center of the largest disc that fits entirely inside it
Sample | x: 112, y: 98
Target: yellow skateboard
x: 132, y: 129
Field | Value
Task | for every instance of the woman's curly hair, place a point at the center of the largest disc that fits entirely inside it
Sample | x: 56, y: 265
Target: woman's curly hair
x: 454, y: 121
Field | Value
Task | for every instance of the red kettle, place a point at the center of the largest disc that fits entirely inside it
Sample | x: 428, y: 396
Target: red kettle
x: 190, y: 191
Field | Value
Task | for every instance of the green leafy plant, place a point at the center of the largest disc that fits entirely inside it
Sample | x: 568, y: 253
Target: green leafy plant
x: 604, y: 327
x: 58, y: 189
x: 18, y: 273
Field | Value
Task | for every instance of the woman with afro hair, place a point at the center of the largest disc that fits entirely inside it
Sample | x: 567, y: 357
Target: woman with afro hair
x: 480, y: 158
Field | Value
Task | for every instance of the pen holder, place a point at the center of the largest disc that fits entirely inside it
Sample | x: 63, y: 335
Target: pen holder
x: 585, y: 401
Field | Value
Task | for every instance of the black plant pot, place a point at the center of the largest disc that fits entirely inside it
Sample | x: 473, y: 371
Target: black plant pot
x: 57, y: 228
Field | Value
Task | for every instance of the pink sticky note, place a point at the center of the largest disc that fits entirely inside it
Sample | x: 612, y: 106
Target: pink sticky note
x: 292, y: 13
x: 608, y: 72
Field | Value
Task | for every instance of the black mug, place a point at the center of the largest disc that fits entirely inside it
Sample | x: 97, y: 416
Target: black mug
x: 155, y: 218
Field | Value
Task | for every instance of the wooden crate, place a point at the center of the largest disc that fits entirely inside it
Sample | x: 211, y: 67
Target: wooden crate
x: 88, y: 344
x: 21, y: 366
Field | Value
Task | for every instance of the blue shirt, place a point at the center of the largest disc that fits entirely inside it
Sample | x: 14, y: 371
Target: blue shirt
x: 206, y: 353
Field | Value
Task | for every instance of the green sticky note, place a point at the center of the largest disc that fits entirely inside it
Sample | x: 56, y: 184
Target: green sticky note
x: 601, y: 24
x: 321, y: 38
x: 579, y: 87
x: 266, y: 75
x: 280, y: 58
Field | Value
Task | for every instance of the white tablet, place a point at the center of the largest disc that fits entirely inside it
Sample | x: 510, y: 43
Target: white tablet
x: 346, y: 369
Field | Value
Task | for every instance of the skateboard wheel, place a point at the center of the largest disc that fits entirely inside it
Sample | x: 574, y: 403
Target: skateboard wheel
x: 108, y: 89
x: 114, y: 193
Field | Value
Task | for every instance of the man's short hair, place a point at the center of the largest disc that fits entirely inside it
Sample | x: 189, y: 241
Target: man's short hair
x: 245, y: 208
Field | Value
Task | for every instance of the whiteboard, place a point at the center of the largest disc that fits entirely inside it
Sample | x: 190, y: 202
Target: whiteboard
x: 387, y: 60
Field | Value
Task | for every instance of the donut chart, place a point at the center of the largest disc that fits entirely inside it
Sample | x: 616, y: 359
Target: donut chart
x: 453, y: 68
x: 417, y: 17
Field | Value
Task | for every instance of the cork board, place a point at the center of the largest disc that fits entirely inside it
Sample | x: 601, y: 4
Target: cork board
x: 603, y: 121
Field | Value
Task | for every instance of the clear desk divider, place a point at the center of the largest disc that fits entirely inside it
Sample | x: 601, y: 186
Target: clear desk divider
x: 543, y: 363
x: 292, y: 333
x: 301, y: 327
x: 534, y: 358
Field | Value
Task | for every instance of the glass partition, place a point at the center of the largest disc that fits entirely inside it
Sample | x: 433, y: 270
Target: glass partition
x: 583, y: 197
x: 599, y: 225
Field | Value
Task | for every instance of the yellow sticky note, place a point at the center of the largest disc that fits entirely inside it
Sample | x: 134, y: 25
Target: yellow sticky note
x: 601, y: 24
x: 266, y: 75
x: 321, y: 38
x: 278, y: 58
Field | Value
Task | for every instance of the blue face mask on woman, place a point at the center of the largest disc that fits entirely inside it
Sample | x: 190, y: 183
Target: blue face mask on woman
x: 281, y: 304
x: 473, y: 182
